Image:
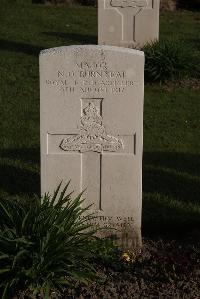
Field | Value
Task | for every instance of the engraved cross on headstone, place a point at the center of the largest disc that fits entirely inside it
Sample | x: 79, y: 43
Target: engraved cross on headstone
x: 128, y: 9
x: 92, y: 143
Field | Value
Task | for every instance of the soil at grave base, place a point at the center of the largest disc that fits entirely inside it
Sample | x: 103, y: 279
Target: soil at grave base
x: 162, y: 270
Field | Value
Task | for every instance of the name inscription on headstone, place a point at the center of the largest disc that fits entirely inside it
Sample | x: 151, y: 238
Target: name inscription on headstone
x: 91, y: 77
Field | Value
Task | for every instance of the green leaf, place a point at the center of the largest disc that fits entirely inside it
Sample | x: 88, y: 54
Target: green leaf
x: 4, y: 270
x: 55, y: 194
x: 47, y: 291
x: 4, y: 256
x: 18, y: 256
x: 4, y: 295
x: 5, y: 211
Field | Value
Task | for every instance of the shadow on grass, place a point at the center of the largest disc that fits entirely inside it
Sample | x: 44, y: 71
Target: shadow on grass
x: 35, y: 50
x: 163, y: 217
x: 171, y: 193
x: 172, y: 174
x: 20, y: 47
x: 16, y: 181
x: 24, y: 154
x: 171, y: 188
x: 74, y: 37
x: 17, y: 177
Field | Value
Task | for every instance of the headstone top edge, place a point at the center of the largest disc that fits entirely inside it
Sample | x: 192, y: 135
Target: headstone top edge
x: 64, y: 49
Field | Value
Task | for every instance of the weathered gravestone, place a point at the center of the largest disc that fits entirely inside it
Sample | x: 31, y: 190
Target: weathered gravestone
x: 92, y: 129
x: 128, y: 23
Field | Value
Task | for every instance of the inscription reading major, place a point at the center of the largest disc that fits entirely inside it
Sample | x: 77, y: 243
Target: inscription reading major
x: 92, y: 136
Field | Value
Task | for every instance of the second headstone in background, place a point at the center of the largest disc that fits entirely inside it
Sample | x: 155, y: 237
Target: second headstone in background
x: 128, y: 23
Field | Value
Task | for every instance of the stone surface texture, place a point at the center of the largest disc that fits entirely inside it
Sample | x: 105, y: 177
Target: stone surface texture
x: 128, y: 23
x: 92, y: 131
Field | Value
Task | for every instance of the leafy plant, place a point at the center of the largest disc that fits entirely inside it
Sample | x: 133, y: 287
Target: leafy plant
x: 167, y: 60
x: 45, y: 243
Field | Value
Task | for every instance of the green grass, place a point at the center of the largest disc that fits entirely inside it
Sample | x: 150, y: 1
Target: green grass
x: 171, y: 182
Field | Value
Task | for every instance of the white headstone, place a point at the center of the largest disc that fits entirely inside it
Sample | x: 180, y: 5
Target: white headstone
x: 92, y: 131
x: 128, y: 23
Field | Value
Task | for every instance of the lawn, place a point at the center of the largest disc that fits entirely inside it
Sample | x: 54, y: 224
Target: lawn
x: 171, y: 164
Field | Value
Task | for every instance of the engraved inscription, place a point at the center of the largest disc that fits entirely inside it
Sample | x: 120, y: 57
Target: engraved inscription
x: 93, y: 136
x: 116, y: 222
x: 129, y: 3
x: 92, y: 77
